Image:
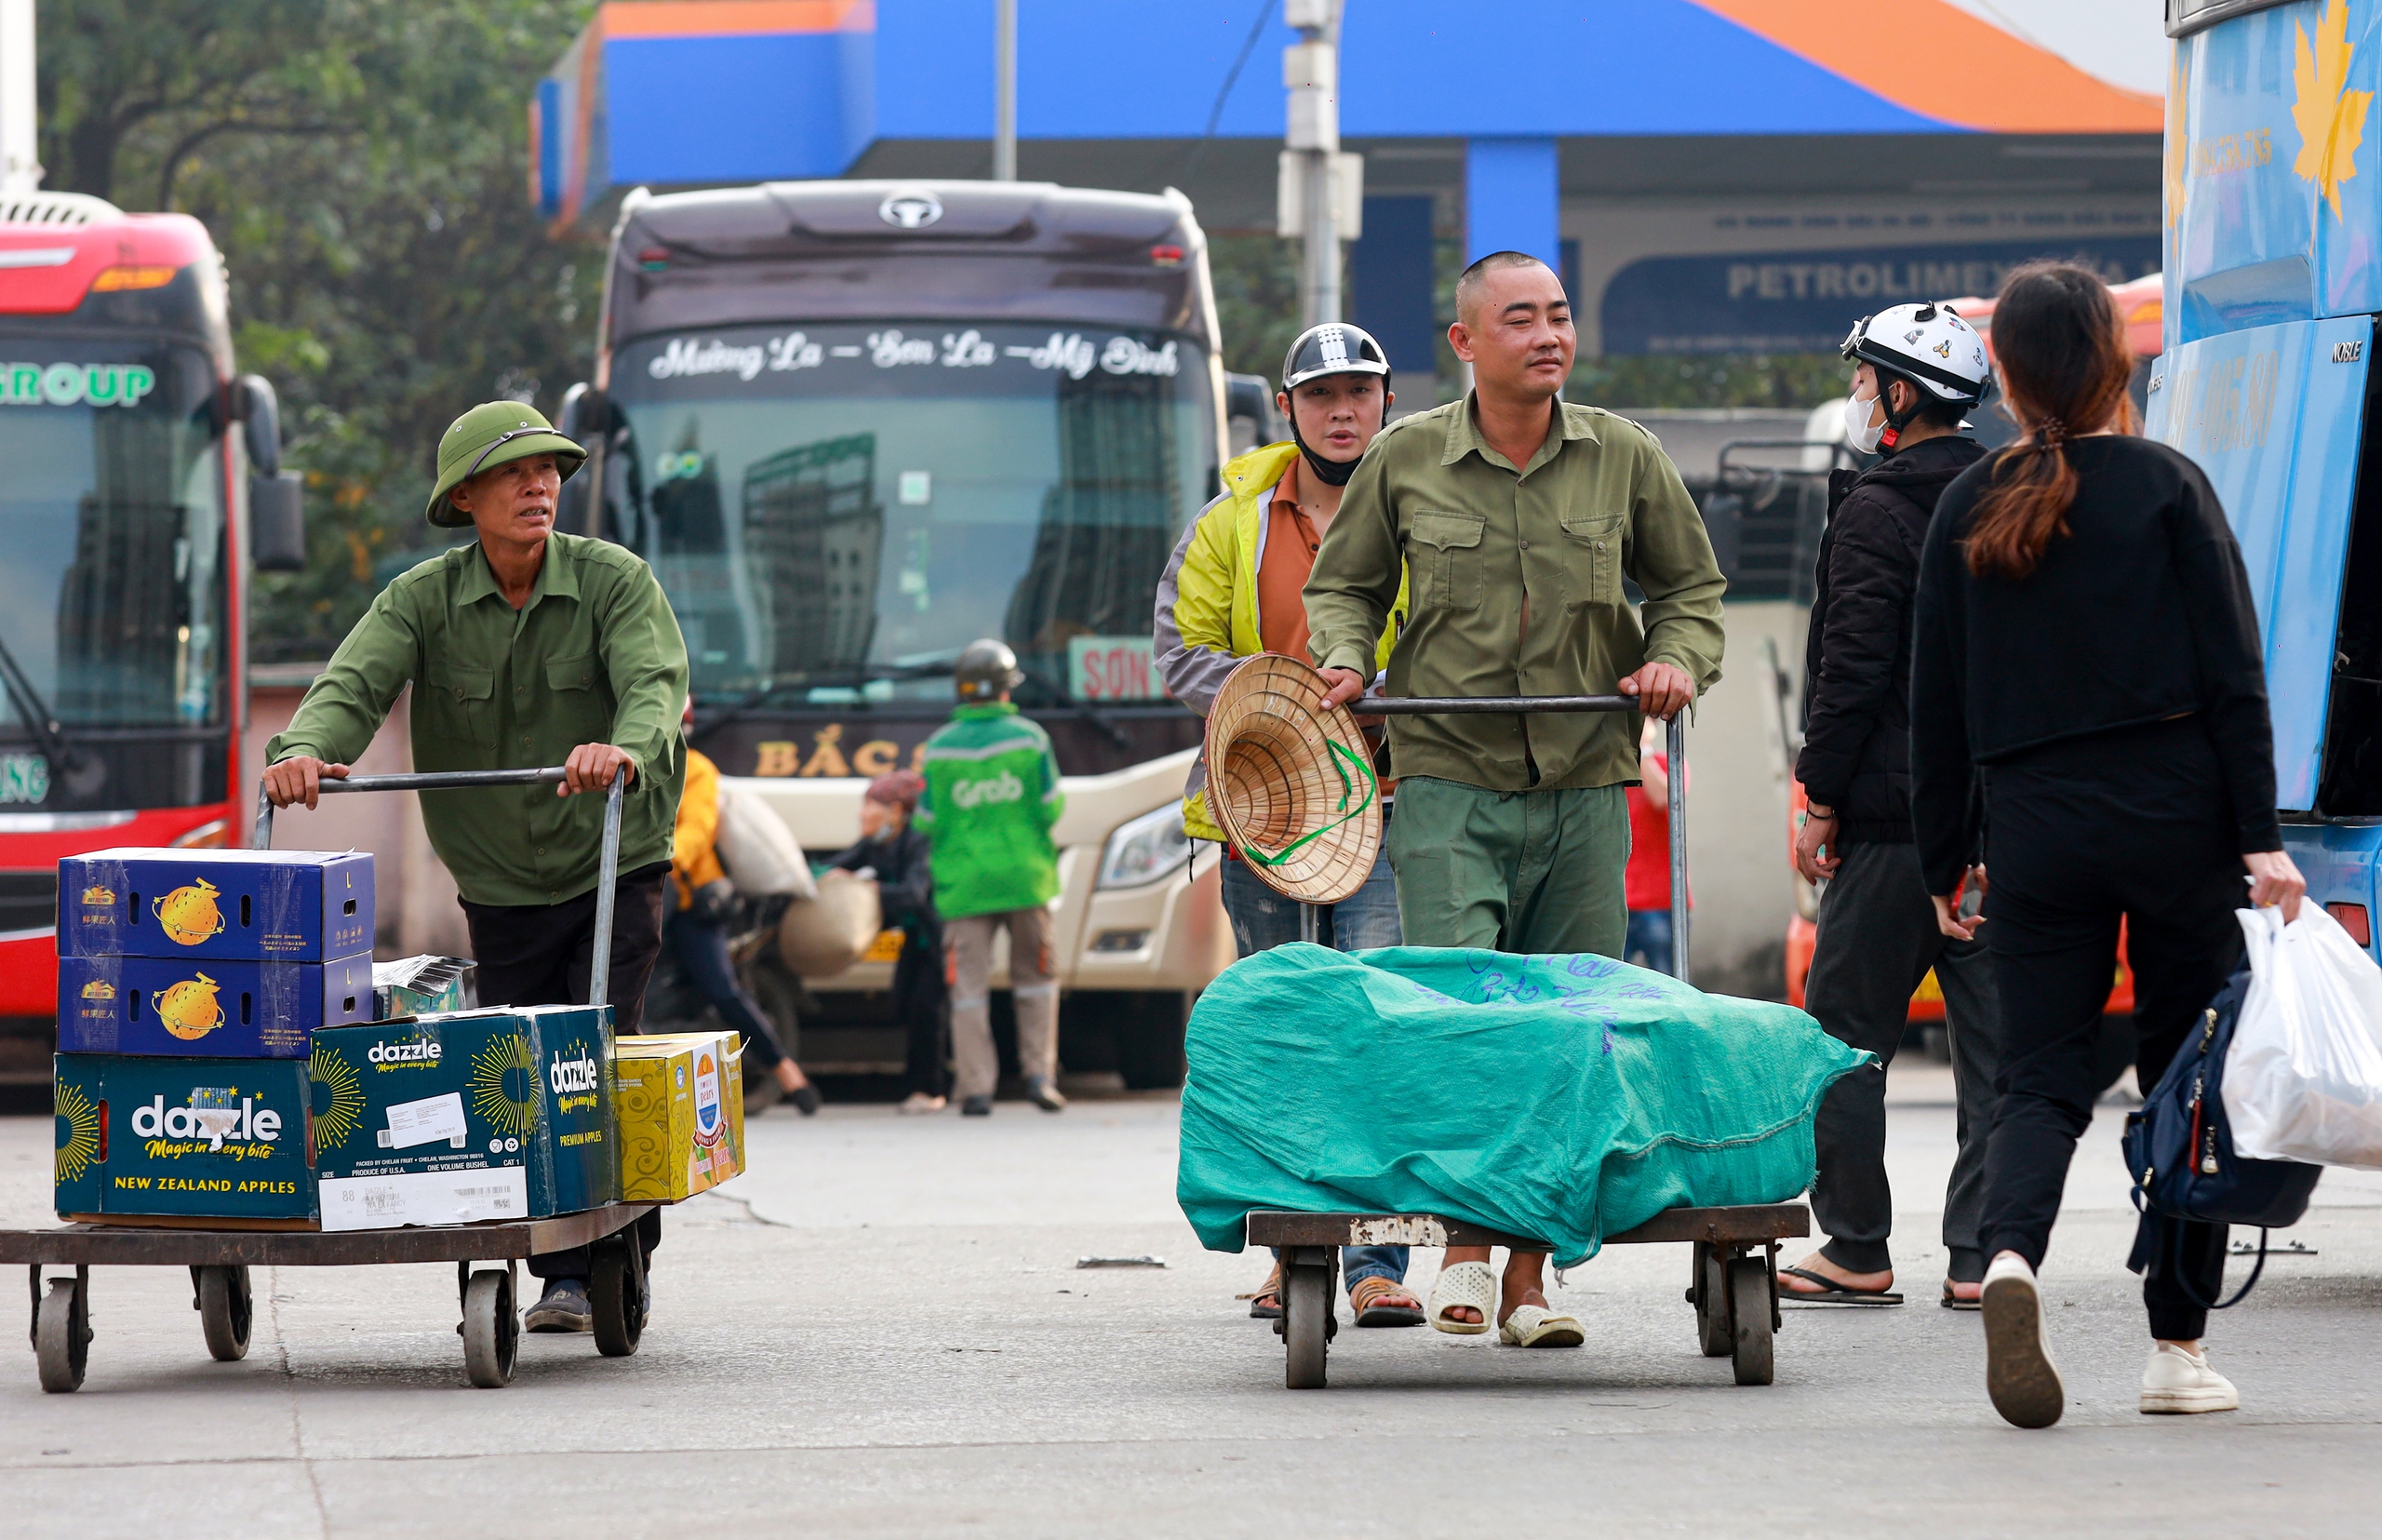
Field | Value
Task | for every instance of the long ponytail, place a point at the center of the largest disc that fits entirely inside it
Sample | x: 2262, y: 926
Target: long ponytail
x: 2060, y: 344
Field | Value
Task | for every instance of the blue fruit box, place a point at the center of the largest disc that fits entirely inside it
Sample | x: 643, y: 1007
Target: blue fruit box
x: 217, y: 1138
x: 251, y: 906
x: 220, y: 1009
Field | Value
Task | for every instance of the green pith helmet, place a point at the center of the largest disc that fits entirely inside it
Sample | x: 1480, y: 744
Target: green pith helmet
x: 490, y: 434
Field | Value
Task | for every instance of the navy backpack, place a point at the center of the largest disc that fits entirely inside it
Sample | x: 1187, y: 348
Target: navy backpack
x: 2179, y: 1148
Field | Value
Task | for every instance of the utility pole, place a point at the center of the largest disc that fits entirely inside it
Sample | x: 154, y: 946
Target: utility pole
x: 1004, y: 90
x: 20, y: 169
x: 1321, y: 189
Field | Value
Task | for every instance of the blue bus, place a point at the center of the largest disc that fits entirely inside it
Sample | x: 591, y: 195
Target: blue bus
x: 2274, y: 281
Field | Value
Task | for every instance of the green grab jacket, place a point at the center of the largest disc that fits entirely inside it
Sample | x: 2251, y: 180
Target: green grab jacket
x: 992, y: 795
x: 1207, y: 604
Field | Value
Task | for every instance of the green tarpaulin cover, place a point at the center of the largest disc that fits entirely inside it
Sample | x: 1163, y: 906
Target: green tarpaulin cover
x: 1563, y: 1098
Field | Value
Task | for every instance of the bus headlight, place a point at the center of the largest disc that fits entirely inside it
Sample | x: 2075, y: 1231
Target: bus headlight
x: 1146, y: 850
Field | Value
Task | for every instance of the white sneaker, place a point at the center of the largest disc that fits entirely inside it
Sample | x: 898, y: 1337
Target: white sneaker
x: 2019, y: 1373
x: 2177, y: 1381
x: 918, y: 1103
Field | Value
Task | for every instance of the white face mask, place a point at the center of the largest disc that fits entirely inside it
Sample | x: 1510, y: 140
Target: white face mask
x: 1858, y: 430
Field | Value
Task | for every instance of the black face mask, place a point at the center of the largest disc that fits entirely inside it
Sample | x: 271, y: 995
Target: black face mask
x: 1333, y: 473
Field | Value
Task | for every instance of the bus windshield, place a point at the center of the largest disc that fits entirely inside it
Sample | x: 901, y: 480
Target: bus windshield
x: 112, y: 525
x: 840, y: 509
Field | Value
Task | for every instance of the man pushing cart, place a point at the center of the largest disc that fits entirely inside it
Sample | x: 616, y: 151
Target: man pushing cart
x: 526, y: 649
x: 1519, y: 515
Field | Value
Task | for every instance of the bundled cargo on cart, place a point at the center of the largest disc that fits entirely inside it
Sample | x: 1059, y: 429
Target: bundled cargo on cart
x: 189, y: 986
x: 242, y: 1086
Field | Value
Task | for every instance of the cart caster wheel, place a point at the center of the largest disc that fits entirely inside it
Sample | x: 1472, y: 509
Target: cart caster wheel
x: 616, y: 1293
x: 492, y: 1328
x: 1711, y: 1296
x: 226, y: 1310
x: 1306, y: 1325
x: 63, y: 1333
x: 1749, y: 1284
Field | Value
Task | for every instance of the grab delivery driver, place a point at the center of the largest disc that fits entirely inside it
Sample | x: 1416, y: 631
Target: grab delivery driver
x: 523, y: 649
x: 1518, y: 514
x: 1233, y: 589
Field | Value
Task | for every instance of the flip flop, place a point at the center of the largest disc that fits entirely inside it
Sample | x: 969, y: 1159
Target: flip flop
x: 1266, y: 1303
x: 1464, y: 1283
x: 1373, y: 1287
x: 1831, y: 1292
x: 1951, y: 1302
x: 1534, y: 1326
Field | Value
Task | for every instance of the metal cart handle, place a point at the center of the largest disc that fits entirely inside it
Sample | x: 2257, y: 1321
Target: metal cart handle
x: 1455, y: 705
x: 608, y: 872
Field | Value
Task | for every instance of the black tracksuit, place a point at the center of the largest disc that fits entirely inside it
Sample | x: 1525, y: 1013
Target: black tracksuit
x: 905, y: 888
x: 1878, y: 936
x: 2115, y: 703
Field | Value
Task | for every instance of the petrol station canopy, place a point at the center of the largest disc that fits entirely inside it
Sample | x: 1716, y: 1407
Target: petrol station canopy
x: 1710, y: 176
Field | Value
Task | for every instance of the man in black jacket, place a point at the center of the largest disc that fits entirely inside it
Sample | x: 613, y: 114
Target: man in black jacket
x: 1918, y: 369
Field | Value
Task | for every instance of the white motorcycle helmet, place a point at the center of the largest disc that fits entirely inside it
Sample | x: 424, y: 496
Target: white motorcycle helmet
x: 1926, y: 344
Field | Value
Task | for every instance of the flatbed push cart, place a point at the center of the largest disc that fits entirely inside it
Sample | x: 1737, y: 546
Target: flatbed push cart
x: 1733, y: 1277
x: 219, y: 1260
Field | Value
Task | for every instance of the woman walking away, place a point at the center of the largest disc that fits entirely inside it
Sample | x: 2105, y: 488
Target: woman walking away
x: 2086, y: 645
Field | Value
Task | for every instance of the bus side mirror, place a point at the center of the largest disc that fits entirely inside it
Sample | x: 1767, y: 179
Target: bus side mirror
x: 277, y: 522
x: 587, y: 417
x: 277, y: 508
x: 1250, y: 398
x: 258, y: 411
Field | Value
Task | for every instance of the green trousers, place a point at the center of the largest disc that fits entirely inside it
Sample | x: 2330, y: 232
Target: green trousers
x: 1514, y: 871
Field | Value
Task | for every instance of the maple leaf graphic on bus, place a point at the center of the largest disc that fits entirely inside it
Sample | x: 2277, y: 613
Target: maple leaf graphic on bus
x: 2331, y: 118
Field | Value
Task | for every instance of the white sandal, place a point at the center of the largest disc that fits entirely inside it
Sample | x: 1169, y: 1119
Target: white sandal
x: 1534, y: 1326
x: 1466, y: 1283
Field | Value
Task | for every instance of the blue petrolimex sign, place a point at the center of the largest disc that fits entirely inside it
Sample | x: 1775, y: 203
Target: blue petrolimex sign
x: 2272, y: 200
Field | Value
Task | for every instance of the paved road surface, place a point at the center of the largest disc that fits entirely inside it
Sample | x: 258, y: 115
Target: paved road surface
x: 883, y: 1333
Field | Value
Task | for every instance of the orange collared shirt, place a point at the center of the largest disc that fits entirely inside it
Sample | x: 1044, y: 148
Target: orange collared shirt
x: 1284, y: 562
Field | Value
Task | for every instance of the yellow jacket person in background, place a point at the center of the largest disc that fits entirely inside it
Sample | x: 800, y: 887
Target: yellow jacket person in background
x: 697, y: 935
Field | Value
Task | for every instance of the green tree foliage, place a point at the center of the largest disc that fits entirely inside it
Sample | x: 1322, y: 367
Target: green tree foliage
x: 361, y: 164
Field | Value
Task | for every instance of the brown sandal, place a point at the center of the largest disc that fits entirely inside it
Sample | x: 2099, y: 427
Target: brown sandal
x: 1266, y: 1303
x: 1369, y: 1291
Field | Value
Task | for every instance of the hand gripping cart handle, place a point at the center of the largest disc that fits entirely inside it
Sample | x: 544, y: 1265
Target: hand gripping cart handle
x: 1448, y: 706
x: 608, y: 867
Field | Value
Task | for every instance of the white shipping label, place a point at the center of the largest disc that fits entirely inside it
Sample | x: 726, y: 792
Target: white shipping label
x: 425, y: 1197
x: 432, y: 1118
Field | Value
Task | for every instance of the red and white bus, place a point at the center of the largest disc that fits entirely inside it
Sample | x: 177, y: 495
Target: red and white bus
x: 138, y: 475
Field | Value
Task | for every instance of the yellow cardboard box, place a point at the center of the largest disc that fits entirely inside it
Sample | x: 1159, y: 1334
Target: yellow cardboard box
x: 681, y: 1101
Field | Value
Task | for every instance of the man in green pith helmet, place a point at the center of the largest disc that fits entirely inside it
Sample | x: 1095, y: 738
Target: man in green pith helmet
x: 527, y: 648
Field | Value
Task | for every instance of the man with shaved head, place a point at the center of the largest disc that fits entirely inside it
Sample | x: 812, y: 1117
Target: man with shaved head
x: 1519, y: 515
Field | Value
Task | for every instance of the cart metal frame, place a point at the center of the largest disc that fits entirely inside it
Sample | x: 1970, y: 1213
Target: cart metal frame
x: 1734, y: 1291
x: 219, y: 1260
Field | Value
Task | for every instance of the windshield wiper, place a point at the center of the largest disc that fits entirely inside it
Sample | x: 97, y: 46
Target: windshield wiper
x: 35, y: 714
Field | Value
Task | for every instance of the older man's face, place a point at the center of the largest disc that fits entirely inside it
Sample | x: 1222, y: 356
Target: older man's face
x: 513, y: 501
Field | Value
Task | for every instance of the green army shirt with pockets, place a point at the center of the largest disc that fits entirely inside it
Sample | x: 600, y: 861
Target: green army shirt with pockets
x: 595, y: 656
x: 1489, y: 544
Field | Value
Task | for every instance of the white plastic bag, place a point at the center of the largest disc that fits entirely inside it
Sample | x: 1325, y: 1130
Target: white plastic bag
x: 761, y: 854
x: 2303, y: 1080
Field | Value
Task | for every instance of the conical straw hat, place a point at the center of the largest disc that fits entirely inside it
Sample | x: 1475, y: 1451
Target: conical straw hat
x: 1291, y: 780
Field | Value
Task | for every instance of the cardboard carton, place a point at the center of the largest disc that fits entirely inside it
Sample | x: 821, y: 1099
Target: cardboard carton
x: 227, y: 1009
x: 217, y: 1138
x: 464, y: 1117
x: 681, y: 1108
x: 286, y: 905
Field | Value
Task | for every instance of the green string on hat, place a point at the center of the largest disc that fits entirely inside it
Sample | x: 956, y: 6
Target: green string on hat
x: 1347, y: 789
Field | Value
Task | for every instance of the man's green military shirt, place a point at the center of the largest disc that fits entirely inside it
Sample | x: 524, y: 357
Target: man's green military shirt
x: 1486, y: 545
x: 595, y: 656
